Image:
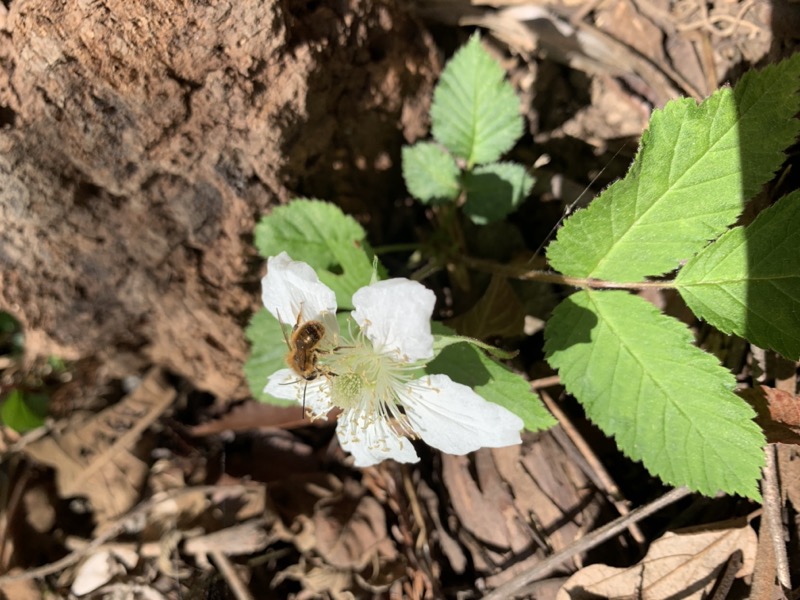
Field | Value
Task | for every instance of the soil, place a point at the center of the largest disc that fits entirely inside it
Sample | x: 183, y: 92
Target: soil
x: 141, y: 143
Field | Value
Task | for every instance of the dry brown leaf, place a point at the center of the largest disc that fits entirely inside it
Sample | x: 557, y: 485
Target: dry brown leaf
x: 789, y: 468
x: 776, y: 414
x: 20, y: 590
x: 300, y: 533
x: 677, y: 565
x: 623, y: 21
x: 246, y: 538
x: 783, y: 406
x: 520, y: 538
x: 100, y: 568
x: 351, y: 530
x: 176, y: 512
x: 95, y: 458
x: 253, y: 415
x: 548, y: 489
x: 549, y: 494
x: 450, y: 547
x: 39, y: 510
x: 475, y: 512
x: 318, y: 581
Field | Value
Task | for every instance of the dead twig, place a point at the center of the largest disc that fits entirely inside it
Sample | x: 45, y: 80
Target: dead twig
x: 599, y: 474
x: 772, y: 514
x: 592, y: 540
x: 237, y: 586
x: 126, y: 522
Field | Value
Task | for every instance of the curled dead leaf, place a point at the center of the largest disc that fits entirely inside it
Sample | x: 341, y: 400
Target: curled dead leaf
x: 677, y: 565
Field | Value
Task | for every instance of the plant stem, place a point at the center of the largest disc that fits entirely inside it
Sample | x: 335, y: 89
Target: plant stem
x: 389, y: 248
x: 518, y: 272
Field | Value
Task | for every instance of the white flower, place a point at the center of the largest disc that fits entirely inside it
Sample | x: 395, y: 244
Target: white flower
x: 374, y: 374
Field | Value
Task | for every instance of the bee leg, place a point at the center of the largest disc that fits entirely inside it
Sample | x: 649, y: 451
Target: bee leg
x: 283, y: 331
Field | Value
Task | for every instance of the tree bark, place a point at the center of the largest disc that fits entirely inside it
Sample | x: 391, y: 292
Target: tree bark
x: 142, y: 141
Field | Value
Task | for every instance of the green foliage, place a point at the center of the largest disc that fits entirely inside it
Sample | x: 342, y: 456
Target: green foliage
x: 748, y: 281
x: 495, y: 190
x: 11, y: 339
x: 320, y: 234
x: 267, y: 352
x: 475, y: 112
x: 334, y: 244
x: 475, y: 117
x: 464, y: 363
x: 464, y: 360
x: 23, y: 411
x: 443, y: 338
x: 636, y: 371
x: 695, y: 169
x: 499, y: 312
x: 666, y: 402
x: 431, y: 174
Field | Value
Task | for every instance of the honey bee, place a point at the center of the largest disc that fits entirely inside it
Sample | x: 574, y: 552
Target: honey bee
x: 304, y: 348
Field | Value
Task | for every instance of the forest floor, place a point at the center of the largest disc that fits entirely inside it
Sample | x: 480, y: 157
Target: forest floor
x: 156, y: 475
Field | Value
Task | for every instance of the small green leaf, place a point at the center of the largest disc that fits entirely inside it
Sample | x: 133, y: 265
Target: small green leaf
x: 475, y: 112
x: 430, y: 173
x: 320, y: 234
x: 748, y: 281
x: 23, y: 411
x: 667, y: 403
x: 495, y: 190
x: 267, y: 355
x: 467, y: 365
x: 695, y: 169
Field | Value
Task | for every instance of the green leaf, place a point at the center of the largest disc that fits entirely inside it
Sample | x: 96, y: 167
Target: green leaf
x: 320, y: 234
x: 467, y: 365
x: 430, y: 173
x: 695, y: 169
x: 23, y: 411
x: 748, y: 281
x: 442, y: 341
x: 12, y: 339
x: 665, y: 401
x: 475, y: 112
x: 495, y: 190
x: 498, y: 312
x: 267, y: 355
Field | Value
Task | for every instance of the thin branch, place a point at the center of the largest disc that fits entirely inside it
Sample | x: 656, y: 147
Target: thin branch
x: 602, y: 478
x: 235, y: 583
x: 115, y: 528
x: 772, y: 514
x: 516, y: 272
x: 597, y: 537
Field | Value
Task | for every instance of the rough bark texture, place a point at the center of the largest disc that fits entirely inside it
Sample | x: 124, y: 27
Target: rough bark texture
x: 141, y: 141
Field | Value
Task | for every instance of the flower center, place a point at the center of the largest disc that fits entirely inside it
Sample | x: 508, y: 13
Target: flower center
x: 367, y: 383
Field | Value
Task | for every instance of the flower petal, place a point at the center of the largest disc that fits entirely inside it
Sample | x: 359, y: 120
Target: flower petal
x: 373, y: 443
x: 286, y: 385
x: 453, y: 418
x: 290, y: 287
x: 395, y: 315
